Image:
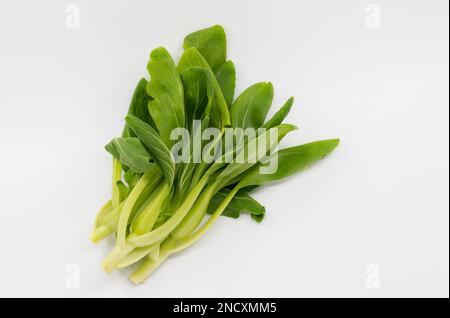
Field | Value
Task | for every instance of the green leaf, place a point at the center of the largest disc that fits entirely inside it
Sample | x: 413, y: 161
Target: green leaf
x: 124, y: 191
x: 250, y: 109
x: 132, y: 154
x: 139, y: 106
x: 226, y: 77
x: 131, y: 178
x: 166, y: 89
x: 188, y: 169
x: 203, y: 166
x: 291, y: 160
x: 154, y: 145
x: 198, y: 92
x: 220, y: 116
x: 111, y: 148
x: 211, y: 43
x: 280, y: 115
x: 253, y: 155
x: 242, y: 202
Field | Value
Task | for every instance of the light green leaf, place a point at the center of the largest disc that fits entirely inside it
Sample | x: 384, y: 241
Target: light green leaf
x: 154, y: 145
x: 124, y: 191
x: 211, y: 43
x: 250, y: 109
x: 252, y: 155
x: 131, y: 178
x: 166, y: 89
x: 226, y: 77
x: 111, y: 148
x: 203, y: 166
x: 132, y: 154
x: 280, y: 115
x: 187, y: 171
x: 290, y: 161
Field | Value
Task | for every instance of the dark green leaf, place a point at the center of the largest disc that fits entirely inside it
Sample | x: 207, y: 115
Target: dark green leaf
x: 220, y: 116
x: 290, y: 161
x: 154, y: 145
x: 280, y: 115
x: 242, y: 202
x: 226, y: 77
x: 211, y: 43
x: 198, y: 93
x: 166, y: 89
x: 139, y: 106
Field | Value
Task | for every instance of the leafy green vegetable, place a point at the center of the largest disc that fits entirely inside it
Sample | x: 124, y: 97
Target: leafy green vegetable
x: 111, y: 148
x: 290, y: 161
x: 160, y: 205
x: 226, y: 77
x: 139, y: 107
x: 131, y: 153
x: 242, y: 202
x: 131, y: 178
x: 188, y: 170
x: 280, y: 115
x: 220, y: 116
x: 150, y: 138
x: 251, y: 107
x: 123, y: 190
x: 234, y: 169
x: 211, y: 43
x: 166, y: 89
x: 198, y: 92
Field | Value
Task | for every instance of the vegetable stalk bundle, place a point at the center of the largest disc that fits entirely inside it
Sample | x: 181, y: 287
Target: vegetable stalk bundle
x: 163, y: 201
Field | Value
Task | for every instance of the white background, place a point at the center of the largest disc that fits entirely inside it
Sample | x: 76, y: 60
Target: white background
x: 377, y: 206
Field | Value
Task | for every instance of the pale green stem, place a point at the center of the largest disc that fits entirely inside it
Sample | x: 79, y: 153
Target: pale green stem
x: 170, y: 245
x: 178, y: 245
x: 117, y: 254
x: 164, y: 230
x: 147, y: 217
x: 154, y: 253
x: 112, y: 218
x: 138, y: 254
x: 146, y: 268
x: 100, y: 233
x: 196, y: 214
x: 127, y: 208
x: 145, y: 198
x: 108, y: 224
x: 143, y: 206
x: 107, y: 207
